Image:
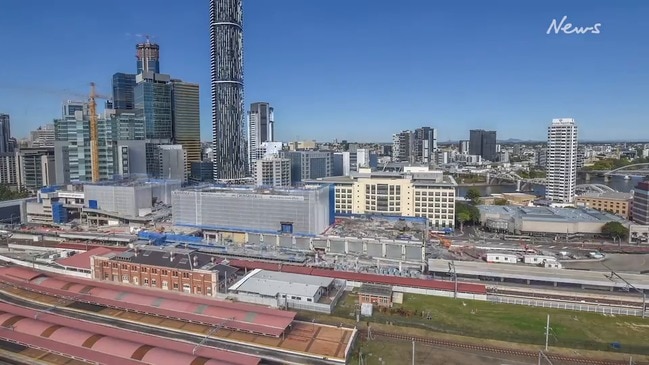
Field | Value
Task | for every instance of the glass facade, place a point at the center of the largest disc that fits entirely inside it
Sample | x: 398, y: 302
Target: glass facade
x: 123, y: 91
x: 187, y: 119
x: 153, y: 105
x: 226, y: 45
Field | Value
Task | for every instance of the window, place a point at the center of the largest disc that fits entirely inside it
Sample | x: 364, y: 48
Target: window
x: 186, y: 275
x: 165, y: 284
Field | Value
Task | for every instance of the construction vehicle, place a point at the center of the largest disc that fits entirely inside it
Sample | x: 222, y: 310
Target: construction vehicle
x: 443, y: 241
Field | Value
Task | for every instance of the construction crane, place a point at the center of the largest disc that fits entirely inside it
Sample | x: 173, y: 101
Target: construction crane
x: 94, y: 134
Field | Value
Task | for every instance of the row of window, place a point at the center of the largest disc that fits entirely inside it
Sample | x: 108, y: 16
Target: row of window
x: 144, y: 269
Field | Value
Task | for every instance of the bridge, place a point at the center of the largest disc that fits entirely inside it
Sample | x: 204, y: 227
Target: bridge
x: 514, y: 177
x: 633, y: 170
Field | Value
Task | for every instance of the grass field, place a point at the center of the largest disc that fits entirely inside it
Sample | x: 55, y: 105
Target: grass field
x: 515, y: 323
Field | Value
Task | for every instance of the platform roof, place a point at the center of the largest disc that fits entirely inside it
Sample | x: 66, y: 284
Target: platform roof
x: 271, y: 283
x: 529, y: 272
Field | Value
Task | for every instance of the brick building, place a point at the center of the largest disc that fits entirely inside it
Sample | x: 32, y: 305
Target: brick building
x: 176, y: 269
x: 380, y: 295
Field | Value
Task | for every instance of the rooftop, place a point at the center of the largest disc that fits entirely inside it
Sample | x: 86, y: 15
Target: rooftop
x: 567, y: 215
x: 174, y: 258
x: 250, y: 190
x: 272, y: 283
x: 386, y: 227
x: 82, y: 260
x: 611, y: 195
x: 375, y: 289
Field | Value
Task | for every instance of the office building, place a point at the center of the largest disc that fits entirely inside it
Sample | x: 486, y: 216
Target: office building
x: 75, y: 108
x: 309, y: 164
x: 612, y: 202
x: 35, y: 167
x: 123, y: 92
x: 120, y: 142
x: 243, y: 209
x: 416, y: 192
x: 8, y: 172
x: 561, y: 176
x: 153, y: 105
x: 5, y: 134
x: 172, y: 162
x: 483, y: 143
x: 273, y: 171
x: 226, y: 45
x: 341, y: 164
x: 186, y: 119
x: 43, y: 136
x: 640, y: 210
x: 148, y: 57
x: 201, y: 171
x: 464, y: 147
x: 260, y: 128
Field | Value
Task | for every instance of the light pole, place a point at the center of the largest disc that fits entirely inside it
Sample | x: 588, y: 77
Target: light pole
x: 453, y: 272
x: 644, y: 295
x: 547, y: 332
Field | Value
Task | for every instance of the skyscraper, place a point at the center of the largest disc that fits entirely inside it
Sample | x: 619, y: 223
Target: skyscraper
x: 260, y: 129
x: 425, y: 144
x: 226, y: 46
x: 123, y: 95
x: 561, y: 177
x: 186, y: 119
x: 148, y: 57
x: 5, y: 133
x: 483, y: 143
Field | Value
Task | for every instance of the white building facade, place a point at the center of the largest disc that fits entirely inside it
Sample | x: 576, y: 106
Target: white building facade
x: 561, y: 179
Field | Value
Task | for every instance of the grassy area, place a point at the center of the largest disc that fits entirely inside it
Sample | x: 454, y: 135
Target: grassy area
x: 514, y: 323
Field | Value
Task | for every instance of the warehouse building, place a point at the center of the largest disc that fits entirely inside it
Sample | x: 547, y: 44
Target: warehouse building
x: 287, y: 288
x: 306, y: 211
x: 546, y: 220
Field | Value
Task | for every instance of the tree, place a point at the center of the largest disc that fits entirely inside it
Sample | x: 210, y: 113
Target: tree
x: 615, y: 230
x: 463, y: 210
x: 7, y: 194
x: 473, y: 195
x: 463, y: 217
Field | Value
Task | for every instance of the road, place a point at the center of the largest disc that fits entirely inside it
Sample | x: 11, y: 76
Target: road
x: 269, y: 357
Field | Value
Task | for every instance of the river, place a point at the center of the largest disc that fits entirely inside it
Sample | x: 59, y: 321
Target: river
x: 616, y: 182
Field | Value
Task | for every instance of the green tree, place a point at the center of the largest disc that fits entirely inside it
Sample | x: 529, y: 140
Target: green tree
x: 7, y: 194
x: 462, y: 218
x: 615, y: 230
x: 467, y: 210
x: 473, y: 195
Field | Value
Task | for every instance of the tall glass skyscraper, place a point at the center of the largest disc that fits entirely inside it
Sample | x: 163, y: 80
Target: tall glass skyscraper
x: 5, y: 133
x: 123, y: 86
x: 226, y: 45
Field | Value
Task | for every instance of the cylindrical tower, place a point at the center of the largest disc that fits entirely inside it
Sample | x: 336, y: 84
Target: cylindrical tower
x: 148, y: 57
x: 226, y: 45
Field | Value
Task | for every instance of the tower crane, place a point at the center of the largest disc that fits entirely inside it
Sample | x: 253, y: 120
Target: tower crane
x: 94, y: 134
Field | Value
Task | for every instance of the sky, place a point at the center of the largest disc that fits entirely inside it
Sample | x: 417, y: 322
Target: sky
x: 358, y: 70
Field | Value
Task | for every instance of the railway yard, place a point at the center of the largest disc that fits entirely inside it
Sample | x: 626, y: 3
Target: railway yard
x: 253, y: 334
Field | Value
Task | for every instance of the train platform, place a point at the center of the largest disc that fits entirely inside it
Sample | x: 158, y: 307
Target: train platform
x: 539, y: 275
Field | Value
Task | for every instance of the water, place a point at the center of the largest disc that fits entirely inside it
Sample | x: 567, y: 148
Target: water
x: 616, y: 182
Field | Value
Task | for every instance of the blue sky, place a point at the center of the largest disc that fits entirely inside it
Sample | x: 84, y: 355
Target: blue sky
x: 354, y: 69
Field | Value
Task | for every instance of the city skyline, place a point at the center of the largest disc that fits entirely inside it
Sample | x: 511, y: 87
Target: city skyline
x: 498, y: 70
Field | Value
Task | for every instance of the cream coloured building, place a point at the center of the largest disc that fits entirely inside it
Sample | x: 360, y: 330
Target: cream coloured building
x: 416, y: 192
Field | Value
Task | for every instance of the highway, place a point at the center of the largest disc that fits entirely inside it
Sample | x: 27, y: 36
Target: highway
x: 269, y: 357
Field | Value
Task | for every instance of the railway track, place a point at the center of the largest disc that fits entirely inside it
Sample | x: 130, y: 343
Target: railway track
x: 269, y: 357
x: 496, y: 350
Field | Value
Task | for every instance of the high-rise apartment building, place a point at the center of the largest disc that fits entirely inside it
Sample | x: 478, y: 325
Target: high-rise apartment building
x: 464, y: 147
x: 172, y: 162
x: 43, y: 136
x: 148, y: 57
x: 273, y: 171
x: 640, y: 207
x: 226, y: 46
x: 123, y: 92
x: 425, y: 145
x: 260, y: 128
x: 35, y: 167
x: 415, y: 147
x: 186, y: 118
x: 483, y: 143
x: 5, y: 134
x: 561, y: 176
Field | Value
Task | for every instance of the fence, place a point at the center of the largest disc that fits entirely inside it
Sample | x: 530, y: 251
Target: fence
x: 581, y: 307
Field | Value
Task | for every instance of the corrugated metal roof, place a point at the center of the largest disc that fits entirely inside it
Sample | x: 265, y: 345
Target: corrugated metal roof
x: 271, y: 283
